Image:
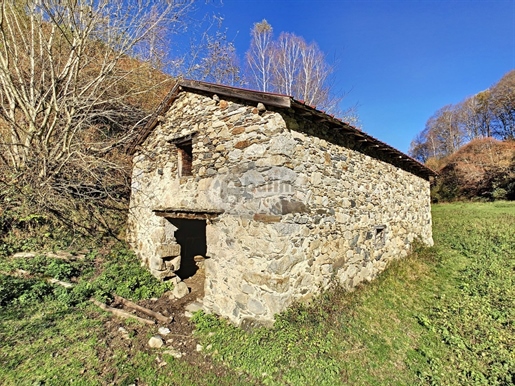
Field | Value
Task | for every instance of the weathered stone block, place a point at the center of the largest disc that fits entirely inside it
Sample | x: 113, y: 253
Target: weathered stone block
x: 252, y: 177
x: 284, y: 264
x: 156, y: 342
x: 194, y: 307
x: 158, y: 235
x: 293, y: 207
x: 247, y: 289
x: 266, y: 218
x: 339, y: 263
x: 242, y: 144
x: 172, y: 263
x: 162, y: 275
x: 155, y: 263
x: 180, y: 290
x: 256, y: 307
x: 165, y: 250
x: 283, y: 144
x: 238, y: 130
x: 235, y: 155
x: 255, y: 150
x: 282, y: 173
x: 316, y: 178
x: 276, y: 284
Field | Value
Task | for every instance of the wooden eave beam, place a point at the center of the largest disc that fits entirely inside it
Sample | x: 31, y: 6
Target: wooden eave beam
x: 345, y: 128
x: 250, y: 95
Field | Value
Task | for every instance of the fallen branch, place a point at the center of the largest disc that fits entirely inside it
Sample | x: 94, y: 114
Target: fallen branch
x: 120, y: 313
x: 61, y: 283
x: 146, y: 311
x: 17, y: 273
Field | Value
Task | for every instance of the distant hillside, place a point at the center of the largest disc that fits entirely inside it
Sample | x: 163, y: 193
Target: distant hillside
x: 483, y: 168
x: 489, y: 113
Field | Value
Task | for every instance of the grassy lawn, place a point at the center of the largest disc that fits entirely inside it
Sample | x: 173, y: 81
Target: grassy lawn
x: 443, y: 316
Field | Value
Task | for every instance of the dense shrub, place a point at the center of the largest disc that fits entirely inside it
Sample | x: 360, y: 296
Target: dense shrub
x: 123, y: 274
x: 119, y: 272
x: 15, y: 289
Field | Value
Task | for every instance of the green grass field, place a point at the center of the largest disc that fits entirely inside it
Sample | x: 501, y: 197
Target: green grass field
x: 443, y: 316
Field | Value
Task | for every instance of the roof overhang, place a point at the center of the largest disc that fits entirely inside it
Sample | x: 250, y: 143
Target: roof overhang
x: 366, y: 141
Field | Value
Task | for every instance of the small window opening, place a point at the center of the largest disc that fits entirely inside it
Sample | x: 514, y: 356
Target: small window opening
x: 185, y: 156
x: 380, y: 236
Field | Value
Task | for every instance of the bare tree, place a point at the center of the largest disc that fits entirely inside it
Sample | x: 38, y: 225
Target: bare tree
x: 293, y: 67
x: 475, y: 117
x: 447, y: 130
x: 287, y: 63
x: 502, y: 105
x: 218, y: 61
x: 69, y: 89
x: 441, y: 137
x: 300, y: 70
x: 259, y: 56
x: 419, y: 148
x: 208, y: 55
x: 153, y: 47
x: 314, y: 84
x: 489, y: 113
x: 434, y: 145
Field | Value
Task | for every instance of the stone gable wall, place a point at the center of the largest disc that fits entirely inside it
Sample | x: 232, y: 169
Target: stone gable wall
x: 299, y: 208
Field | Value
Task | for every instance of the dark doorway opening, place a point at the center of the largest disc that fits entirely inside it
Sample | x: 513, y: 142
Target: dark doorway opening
x: 191, y: 236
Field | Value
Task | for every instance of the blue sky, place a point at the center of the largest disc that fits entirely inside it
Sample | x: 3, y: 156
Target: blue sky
x: 399, y: 60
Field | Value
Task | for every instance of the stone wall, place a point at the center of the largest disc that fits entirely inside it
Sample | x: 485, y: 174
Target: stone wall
x: 300, y: 206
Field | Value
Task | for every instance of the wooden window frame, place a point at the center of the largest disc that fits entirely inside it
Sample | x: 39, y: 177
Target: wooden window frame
x: 184, y: 147
x: 185, y: 158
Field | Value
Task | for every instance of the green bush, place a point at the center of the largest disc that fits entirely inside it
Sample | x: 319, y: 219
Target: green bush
x: 123, y: 275
x: 21, y: 290
x: 41, y: 265
x: 499, y: 194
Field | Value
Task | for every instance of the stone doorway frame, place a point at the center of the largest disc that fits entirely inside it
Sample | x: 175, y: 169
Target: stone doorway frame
x: 169, y: 255
x: 188, y: 214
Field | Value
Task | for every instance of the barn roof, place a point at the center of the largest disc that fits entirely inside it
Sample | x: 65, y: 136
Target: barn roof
x: 367, y: 144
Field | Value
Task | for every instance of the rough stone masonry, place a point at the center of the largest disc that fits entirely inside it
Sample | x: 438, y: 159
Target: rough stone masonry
x: 290, y: 200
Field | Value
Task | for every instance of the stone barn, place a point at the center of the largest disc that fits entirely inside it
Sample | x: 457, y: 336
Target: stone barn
x: 276, y: 197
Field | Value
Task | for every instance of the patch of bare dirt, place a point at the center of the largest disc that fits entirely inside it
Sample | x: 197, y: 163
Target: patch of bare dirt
x: 133, y: 337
